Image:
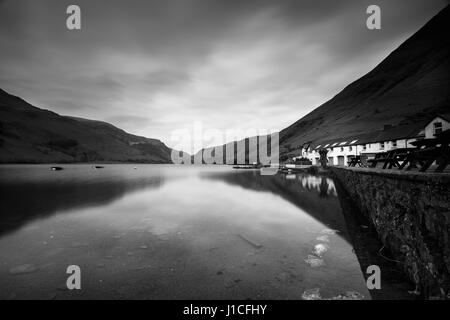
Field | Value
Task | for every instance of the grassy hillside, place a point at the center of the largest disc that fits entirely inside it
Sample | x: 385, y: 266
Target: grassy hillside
x: 32, y: 135
x: 409, y: 87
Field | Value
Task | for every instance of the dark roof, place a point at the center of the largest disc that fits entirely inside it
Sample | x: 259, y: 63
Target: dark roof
x: 393, y: 133
x: 445, y: 117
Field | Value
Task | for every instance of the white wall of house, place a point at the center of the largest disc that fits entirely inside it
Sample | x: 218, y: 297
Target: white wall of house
x: 376, y: 147
x: 435, y: 126
x: 340, y: 152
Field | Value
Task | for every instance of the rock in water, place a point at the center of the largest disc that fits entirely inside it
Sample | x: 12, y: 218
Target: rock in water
x: 349, y: 295
x: 312, y: 294
x: 324, y: 238
x: 22, y: 269
x: 314, y: 261
x: 329, y: 231
x: 320, y: 249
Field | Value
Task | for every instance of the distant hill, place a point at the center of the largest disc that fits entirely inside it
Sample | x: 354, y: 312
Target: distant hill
x: 32, y: 135
x: 408, y: 88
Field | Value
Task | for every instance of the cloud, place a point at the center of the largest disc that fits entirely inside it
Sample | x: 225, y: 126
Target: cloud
x: 151, y: 67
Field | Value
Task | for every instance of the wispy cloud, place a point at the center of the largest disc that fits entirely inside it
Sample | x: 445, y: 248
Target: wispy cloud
x: 154, y: 66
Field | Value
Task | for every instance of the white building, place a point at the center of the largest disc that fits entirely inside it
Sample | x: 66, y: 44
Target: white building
x: 341, y: 151
x: 435, y: 126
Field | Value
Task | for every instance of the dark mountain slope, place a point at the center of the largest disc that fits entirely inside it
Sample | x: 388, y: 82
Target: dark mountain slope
x: 409, y: 87
x: 30, y: 134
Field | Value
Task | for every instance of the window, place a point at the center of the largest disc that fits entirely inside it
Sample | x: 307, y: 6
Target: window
x: 437, y: 127
x: 382, y: 145
x: 342, y: 149
x: 331, y: 149
x: 394, y: 144
x: 350, y: 148
x: 365, y: 147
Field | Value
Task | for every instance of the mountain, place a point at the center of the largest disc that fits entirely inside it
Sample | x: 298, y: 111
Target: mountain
x: 407, y: 88
x: 32, y: 135
x: 405, y: 91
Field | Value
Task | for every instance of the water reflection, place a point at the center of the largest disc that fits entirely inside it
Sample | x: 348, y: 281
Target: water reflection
x: 168, y: 232
x: 31, y: 192
x: 315, y: 195
x: 324, y: 185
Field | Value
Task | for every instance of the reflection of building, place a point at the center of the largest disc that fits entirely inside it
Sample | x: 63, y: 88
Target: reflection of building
x: 317, y: 183
x: 342, y: 150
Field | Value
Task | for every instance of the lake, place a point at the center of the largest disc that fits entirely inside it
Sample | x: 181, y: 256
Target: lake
x: 173, y: 232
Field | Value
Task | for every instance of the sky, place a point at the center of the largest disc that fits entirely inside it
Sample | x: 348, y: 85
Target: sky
x: 155, y: 66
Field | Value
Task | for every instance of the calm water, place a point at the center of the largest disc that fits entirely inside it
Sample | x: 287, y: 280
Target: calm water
x: 172, y: 232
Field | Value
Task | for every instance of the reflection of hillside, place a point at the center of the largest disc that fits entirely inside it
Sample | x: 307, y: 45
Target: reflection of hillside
x: 313, y: 194
x: 317, y: 196
x: 22, y: 202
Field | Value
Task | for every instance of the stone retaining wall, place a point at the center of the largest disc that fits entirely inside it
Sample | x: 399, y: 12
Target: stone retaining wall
x: 411, y: 214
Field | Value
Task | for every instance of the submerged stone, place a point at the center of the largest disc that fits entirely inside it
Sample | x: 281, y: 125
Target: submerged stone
x: 22, y: 269
x: 312, y: 294
x: 349, y: 295
x: 320, y: 249
x: 314, y: 261
x: 329, y: 231
x: 324, y: 238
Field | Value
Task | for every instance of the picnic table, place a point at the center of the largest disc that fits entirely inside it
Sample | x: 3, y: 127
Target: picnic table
x: 354, y: 161
x: 391, y: 158
x: 379, y: 157
x: 395, y: 156
x: 428, y: 151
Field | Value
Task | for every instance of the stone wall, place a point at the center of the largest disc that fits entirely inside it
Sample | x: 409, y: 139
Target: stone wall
x: 411, y: 214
